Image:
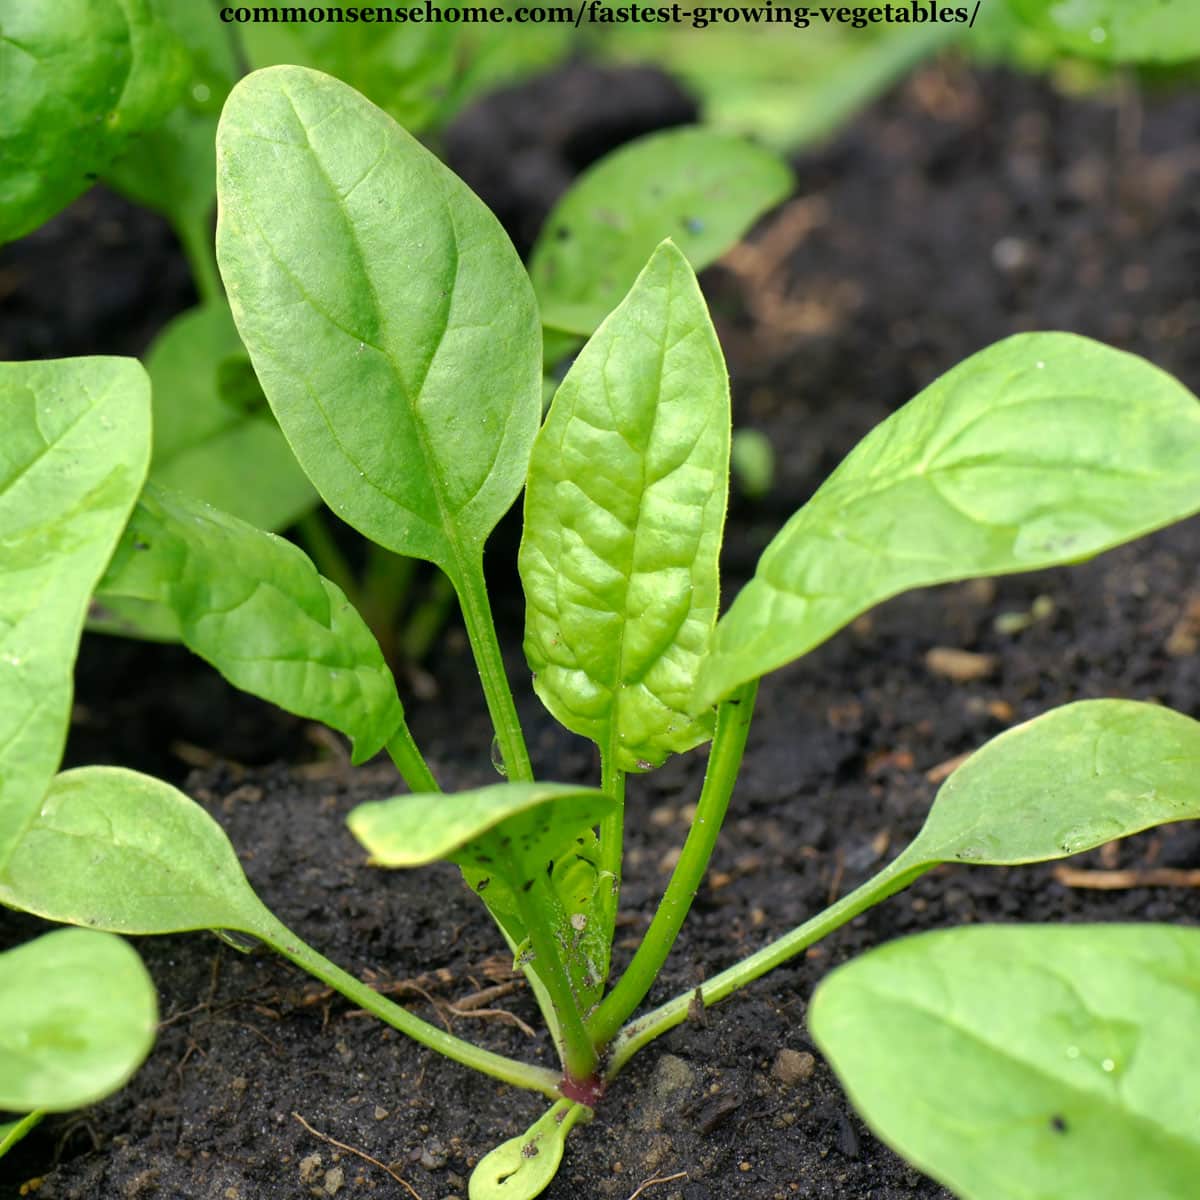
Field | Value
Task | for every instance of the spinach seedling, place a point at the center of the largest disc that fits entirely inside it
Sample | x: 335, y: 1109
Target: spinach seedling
x: 397, y: 339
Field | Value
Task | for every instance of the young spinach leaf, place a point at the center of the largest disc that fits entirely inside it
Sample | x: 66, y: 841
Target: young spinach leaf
x: 373, y: 360
x: 623, y: 516
x: 523, y: 1166
x: 1167, y: 31
x: 78, y: 1014
x: 701, y: 188
x: 1045, y: 448
x: 71, y: 101
x: 73, y: 457
x: 1027, y: 1061
x: 206, y: 443
x: 254, y: 606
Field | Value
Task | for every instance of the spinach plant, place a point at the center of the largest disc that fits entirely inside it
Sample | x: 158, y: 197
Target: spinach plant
x: 397, y: 339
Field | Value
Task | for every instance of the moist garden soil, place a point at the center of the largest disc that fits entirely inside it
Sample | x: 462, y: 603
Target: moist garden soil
x: 964, y: 206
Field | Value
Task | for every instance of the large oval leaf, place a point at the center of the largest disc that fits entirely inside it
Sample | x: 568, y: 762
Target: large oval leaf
x: 388, y: 317
x: 702, y: 188
x: 623, y: 517
x: 1014, y: 1062
x: 78, y: 1013
x: 115, y: 850
x: 1043, y: 449
x: 73, y: 456
x: 255, y: 607
x: 208, y: 443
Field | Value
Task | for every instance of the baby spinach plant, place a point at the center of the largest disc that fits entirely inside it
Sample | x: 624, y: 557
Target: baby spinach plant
x: 397, y: 339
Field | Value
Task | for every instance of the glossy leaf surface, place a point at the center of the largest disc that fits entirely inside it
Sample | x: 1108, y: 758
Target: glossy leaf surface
x: 71, y: 102
x: 623, y: 517
x: 1164, y: 31
x: 73, y: 457
x: 255, y: 607
x: 213, y: 444
x: 1042, y: 449
x: 78, y: 1014
x: 115, y: 850
x: 1068, y: 781
x: 389, y: 319
x: 701, y: 188
x: 406, y: 69
x: 172, y: 166
x: 1012, y: 1062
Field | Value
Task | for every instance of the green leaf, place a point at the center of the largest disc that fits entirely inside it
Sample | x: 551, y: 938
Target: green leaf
x: 72, y: 460
x: 1043, y: 449
x: 115, y: 850
x: 387, y: 315
x: 70, y: 102
x: 1013, y: 1062
x: 406, y: 69
x: 1072, y: 779
x: 11, y: 1132
x: 701, y: 188
x: 172, y: 167
x: 208, y: 442
x: 523, y: 1167
x: 255, y: 607
x: 540, y: 821
x: 1164, y: 31
x: 78, y: 1014
x: 623, y: 517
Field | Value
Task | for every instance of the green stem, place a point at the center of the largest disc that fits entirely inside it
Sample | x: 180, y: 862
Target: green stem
x: 11, y: 1132
x: 410, y: 762
x: 320, y: 546
x: 724, y: 761
x: 894, y: 877
x: 612, y: 838
x: 195, y: 236
x: 535, y: 903
x: 477, y: 616
x: 508, y: 1070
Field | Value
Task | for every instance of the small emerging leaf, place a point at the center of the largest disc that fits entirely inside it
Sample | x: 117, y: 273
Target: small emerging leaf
x: 115, y: 850
x: 1013, y: 1062
x: 701, y: 188
x: 255, y: 607
x: 1045, y: 448
x: 210, y: 443
x: 78, y: 1014
x: 623, y: 516
x: 523, y: 1167
x: 388, y: 317
x: 73, y: 456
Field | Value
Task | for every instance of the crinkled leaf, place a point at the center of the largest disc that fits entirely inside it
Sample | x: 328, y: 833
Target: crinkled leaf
x: 115, y: 850
x: 406, y: 69
x: 211, y: 440
x: 1042, y: 449
x: 172, y: 167
x: 1072, y: 779
x: 1013, y: 1062
x: 77, y: 79
x: 1163, y: 31
x: 78, y: 1013
x: 255, y: 607
x: 702, y: 188
x: 388, y: 317
x: 623, y: 517
x: 73, y: 457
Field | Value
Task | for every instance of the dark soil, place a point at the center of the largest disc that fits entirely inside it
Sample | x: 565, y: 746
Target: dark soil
x: 962, y: 207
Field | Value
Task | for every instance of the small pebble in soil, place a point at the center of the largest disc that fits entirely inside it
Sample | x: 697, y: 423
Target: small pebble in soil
x: 793, y: 1066
x: 309, y: 1167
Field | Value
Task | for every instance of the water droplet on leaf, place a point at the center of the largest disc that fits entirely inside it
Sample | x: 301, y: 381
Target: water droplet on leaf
x: 498, y: 758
